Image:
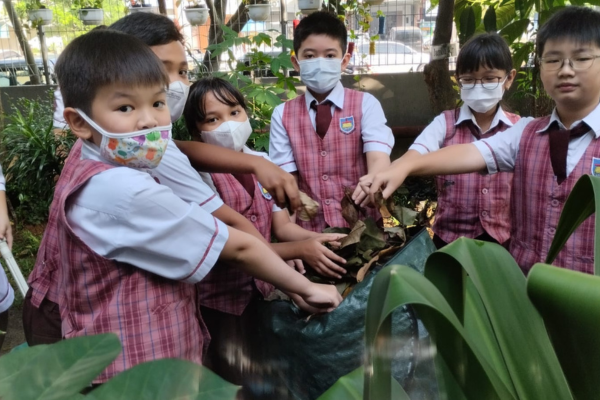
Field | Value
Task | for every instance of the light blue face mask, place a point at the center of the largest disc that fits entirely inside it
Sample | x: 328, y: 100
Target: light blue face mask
x: 320, y: 74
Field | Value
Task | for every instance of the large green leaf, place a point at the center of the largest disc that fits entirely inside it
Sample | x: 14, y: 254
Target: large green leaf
x: 583, y: 200
x: 396, y: 286
x: 166, y: 379
x: 350, y: 387
x: 467, y: 25
x: 514, y: 30
x: 569, y: 302
x: 502, y: 289
x: 61, y: 370
x: 489, y: 20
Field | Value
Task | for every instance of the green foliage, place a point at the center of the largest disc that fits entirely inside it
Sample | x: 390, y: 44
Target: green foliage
x: 81, y: 4
x: 262, y: 97
x: 32, y: 158
x: 497, y: 334
x: 63, y: 370
x: 180, y: 131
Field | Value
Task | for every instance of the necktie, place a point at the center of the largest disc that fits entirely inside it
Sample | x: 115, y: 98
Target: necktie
x: 247, y: 182
x: 323, y: 119
x: 559, y: 144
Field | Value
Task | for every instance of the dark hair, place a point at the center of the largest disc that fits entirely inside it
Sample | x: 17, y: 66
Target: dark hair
x: 104, y: 57
x: 580, y: 24
x: 152, y: 29
x: 321, y: 23
x: 195, y: 110
x: 486, y: 50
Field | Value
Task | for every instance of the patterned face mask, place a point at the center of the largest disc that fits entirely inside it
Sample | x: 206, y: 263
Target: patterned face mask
x: 141, y: 149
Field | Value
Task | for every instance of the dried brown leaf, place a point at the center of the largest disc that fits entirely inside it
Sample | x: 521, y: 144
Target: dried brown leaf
x: 309, y: 207
x: 354, y: 235
x: 347, y: 291
x: 349, y: 210
x: 360, y: 275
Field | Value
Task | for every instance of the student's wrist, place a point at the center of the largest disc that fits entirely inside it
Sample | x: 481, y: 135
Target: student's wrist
x: 256, y: 164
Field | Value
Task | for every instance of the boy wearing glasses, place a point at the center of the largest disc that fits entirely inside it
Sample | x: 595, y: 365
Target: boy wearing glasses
x: 547, y: 155
x: 473, y: 205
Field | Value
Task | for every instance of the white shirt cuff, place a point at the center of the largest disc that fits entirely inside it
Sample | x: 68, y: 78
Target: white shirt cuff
x: 488, y: 156
x: 420, y: 148
x: 289, y: 166
x: 212, y: 204
x: 212, y: 254
x: 377, y: 146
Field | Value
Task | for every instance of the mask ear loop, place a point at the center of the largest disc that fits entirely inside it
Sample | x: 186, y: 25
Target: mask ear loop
x: 103, y: 132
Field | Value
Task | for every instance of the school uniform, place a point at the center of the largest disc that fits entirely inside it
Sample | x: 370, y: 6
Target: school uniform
x: 326, y: 165
x: 537, y: 197
x: 7, y: 295
x: 229, y: 289
x: 469, y: 205
x: 131, y: 252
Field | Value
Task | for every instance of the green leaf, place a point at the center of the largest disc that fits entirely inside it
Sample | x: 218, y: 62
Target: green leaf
x: 62, y: 369
x: 583, y: 200
x: 514, y: 30
x: 350, y: 387
x: 372, y: 238
x: 467, y: 24
x: 489, y: 20
x: 275, y: 65
x: 569, y: 304
x: 166, y: 379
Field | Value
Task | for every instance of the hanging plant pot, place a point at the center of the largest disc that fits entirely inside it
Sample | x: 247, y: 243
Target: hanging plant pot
x: 41, y: 16
x: 309, y: 6
x: 149, y: 8
x: 91, y: 16
x: 259, y: 12
x: 374, y: 2
x: 196, y: 16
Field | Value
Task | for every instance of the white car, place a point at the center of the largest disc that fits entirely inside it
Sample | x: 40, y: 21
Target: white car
x: 389, y: 57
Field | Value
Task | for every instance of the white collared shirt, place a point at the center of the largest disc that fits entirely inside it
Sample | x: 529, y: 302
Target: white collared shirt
x: 246, y: 150
x: 376, y: 135
x: 433, y: 136
x: 501, y: 150
x: 7, y: 295
x: 123, y: 214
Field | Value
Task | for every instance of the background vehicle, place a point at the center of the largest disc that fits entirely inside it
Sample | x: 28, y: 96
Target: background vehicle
x: 409, y: 35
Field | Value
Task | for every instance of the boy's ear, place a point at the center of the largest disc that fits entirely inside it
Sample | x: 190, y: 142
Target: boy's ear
x: 295, y: 62
x: 346, y: 60
x: 510, y: 79
x: 78, y: 125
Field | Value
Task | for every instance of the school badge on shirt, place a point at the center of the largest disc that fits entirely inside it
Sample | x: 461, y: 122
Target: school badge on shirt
x: 596, y: 166
x: 264, y: 192
x: 347, y: 124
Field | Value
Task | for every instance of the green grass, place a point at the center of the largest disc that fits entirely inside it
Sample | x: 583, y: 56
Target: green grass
x: 25, y: 247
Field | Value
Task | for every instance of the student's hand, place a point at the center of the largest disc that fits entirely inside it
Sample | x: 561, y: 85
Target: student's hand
x: 298, y: 265
x: 6, y: 230
x: 320, y: 258
x: 387, y: 180
x: 282, y: 185
x: 360, y: 197
x: 332, y: 238
x: 318, y: 298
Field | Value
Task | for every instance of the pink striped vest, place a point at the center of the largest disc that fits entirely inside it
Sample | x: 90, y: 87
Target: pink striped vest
x: 43, y: 280
x: 326, y: 166
x: 471, y: 204
x: 228, y: 289
x: 153, y: 317
x: 537, y: 201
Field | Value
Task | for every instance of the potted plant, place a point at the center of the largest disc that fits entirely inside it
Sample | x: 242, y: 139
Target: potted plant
x: 141, y: 6
x: 37, y: 13
x: 374, y: 2
x: 309, y: 6
x: 196, y: 12
x: 90, y: 11
x: 259, y: 10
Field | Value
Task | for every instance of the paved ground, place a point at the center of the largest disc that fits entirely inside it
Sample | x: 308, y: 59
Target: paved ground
x: 14, y: 333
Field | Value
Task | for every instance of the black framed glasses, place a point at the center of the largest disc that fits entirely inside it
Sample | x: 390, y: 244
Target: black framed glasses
x: 490, y: 83
x: 579, y: 63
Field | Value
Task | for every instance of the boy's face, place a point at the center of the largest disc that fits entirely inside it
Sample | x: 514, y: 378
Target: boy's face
x: 571, y: 89
x: 218, y: 112
x: 315, y: 46
x: 119, y: 109
x: 173, y: 57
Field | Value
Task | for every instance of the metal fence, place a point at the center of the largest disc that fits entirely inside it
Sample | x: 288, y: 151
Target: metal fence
x: 404, y: 30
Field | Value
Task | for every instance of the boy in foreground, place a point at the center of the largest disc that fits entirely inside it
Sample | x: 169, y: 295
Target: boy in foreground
x: 548, y: 155
x: 138, y: 281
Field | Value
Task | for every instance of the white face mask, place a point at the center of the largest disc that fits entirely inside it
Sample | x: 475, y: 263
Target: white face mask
x: 320, y: 74
x: 177, y: 95
x: 480, y: 99
x: 231, y: 135
x: 140, y: 149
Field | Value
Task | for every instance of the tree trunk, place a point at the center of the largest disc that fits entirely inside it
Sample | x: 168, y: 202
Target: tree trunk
x: 34, y: 72
x: 437, y: 76
x: 217, y: 18
x: 162, y: 7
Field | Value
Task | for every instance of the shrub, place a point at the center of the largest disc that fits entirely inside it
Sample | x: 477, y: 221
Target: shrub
x: 32, y: 158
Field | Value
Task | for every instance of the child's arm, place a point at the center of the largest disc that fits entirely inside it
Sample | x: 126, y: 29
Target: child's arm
x: 210, y: 158
x: 5, y: 228
x: 458, y: 159
x: 232, y: 218
x: 314, y: 252
x: 255, y: 258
